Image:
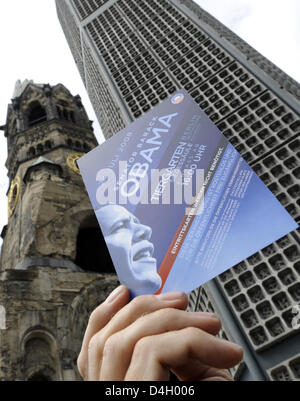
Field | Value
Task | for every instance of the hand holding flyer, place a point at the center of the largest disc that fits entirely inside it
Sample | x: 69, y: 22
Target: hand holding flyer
x: 176, y: 203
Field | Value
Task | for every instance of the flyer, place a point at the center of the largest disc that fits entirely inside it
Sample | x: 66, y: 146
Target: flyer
x: 176, y: 203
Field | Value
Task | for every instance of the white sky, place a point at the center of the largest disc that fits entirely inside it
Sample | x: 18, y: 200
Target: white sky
x: 33, y: 46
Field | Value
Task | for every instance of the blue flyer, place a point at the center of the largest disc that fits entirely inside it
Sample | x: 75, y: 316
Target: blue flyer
x: 176, y: 203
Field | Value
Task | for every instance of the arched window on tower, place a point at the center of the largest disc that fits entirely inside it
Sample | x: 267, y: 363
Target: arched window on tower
x: 59, y: 111
x: 31, y: 151
x: 72, y: 116
x: 40, y: 148
x: 39, y: 357
x: 39, y: 377
x: 48, y: 145
x: 91, y: 250
x: 37, y: 114
x: 13, y: 127
x: 65, y: 114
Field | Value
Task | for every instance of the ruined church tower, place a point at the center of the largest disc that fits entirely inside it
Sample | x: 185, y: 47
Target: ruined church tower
x: 55, y: 268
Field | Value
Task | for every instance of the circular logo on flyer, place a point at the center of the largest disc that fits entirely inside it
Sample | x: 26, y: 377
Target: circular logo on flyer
x: 178, y: 98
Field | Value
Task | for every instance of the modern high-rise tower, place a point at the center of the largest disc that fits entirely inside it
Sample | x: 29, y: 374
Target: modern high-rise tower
x: 131, y: 55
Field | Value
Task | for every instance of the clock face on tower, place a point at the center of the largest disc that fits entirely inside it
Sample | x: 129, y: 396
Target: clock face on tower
x: 13, y: 195
x: 71, y: 162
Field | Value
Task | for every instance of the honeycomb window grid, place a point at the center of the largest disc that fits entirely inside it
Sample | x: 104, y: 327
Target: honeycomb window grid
x: 249, y: 318
x: 111, y: 23
x: 110, y: 118
x: 129, y: 9
x: 150, y: 94
x: 123, y: 53
x: 199, y: 64
x: 150, y: 32
x: 114, y: 68
x: 115, y: 52
x: 140, y: 15
x: 265, y: 309
x: 262, y: 271
x: 288, y: 370
x: 294, y: 365
x: 173, y: 46
x: 87, y: 7
x: 167, y: 22
x: 72, y: 34
x: 111, y: 31
x: 218, y: 97
x: 141, y: 6
x: 267, y: 303
x: 260, y: 126
x: 136, y: 73
x: 280, y: 172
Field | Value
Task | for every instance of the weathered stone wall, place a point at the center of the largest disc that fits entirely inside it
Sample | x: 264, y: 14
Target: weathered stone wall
x: 46, y: 219
x: 47, y: 310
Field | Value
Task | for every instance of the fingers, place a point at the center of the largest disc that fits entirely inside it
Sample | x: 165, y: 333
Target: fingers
x: 151, y: 335
x: 119, y: 347
x: 197, y: 370
x: 213, y: 374
x: 138, y: 307
x: 180, y: 351
x: 98, y: 319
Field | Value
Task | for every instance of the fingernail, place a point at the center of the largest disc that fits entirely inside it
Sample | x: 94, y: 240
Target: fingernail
x: 237, y: 347
x: 170, y: 296
x: 113, y: 295
x: 207, y: 314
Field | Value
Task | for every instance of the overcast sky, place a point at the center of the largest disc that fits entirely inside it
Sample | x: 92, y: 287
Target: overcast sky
x: 33, y: 46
